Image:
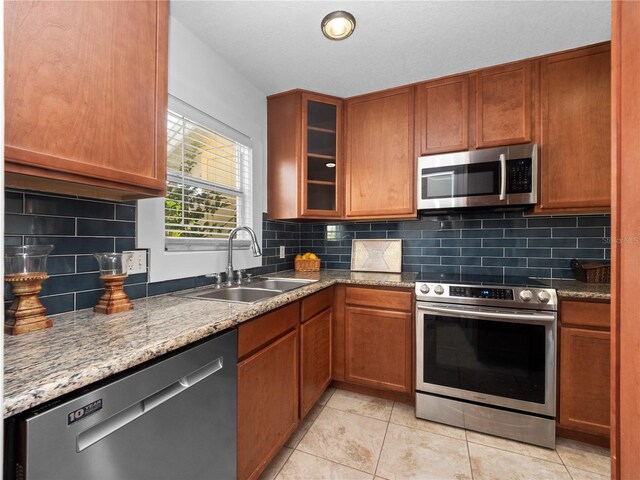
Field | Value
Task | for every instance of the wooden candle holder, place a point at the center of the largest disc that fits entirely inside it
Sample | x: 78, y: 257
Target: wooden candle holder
x: 114, y: 299
x: 26, y: 313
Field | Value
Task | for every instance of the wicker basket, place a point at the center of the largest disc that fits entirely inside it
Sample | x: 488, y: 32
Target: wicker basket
x: 591, y: 272
x: 307, y: 265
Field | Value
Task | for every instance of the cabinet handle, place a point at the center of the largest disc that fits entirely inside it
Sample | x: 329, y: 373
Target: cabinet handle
x: 503, y: 176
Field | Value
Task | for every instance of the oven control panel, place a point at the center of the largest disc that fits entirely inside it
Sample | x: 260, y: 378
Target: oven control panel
x: 481, y: 292
x: 488, y: 295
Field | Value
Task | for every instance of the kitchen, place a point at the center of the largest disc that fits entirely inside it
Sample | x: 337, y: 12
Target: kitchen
x: 322, y: 170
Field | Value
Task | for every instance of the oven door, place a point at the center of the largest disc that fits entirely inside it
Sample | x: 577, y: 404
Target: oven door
x: 494, y: 356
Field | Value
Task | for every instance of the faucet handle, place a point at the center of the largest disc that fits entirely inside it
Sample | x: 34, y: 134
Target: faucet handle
x: 237, y: 275
x: 217, y: 279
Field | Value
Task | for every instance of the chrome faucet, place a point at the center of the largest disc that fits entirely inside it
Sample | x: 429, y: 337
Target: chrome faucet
x: 254, y: 247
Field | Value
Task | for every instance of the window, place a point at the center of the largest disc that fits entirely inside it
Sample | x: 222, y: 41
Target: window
x: 214, y: 182
x: 208, y: 184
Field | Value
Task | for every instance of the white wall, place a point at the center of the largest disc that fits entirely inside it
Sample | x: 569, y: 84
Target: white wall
x: 201, y: 78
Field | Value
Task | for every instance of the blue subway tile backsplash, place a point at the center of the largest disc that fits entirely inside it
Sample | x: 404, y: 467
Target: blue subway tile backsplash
x: 474, y: 242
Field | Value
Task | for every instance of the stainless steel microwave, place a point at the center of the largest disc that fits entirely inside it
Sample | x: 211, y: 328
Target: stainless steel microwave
x: 502, y: 176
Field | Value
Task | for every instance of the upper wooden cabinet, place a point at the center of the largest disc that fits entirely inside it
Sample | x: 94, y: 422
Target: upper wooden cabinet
x: 380, y: 159
x: 86, y: 96
x: 504, y: 105
x: 576, y: 131
x: 304, y: 149
x: 442, y: 115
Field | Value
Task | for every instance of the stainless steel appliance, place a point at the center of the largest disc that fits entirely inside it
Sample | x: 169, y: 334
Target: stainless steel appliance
x: 486, y: 357
x: 173, y: 419
x: 503, y: 176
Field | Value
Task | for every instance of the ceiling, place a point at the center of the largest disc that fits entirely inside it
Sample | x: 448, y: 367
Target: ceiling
x: 278, y: 45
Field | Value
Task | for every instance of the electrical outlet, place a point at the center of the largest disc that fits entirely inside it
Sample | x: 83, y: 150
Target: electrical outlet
x: 138, y: 262
x: 281, y: 251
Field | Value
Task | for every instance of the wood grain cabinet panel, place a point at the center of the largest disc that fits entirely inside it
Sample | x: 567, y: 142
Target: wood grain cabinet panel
x: 504, y: 105
x: 585, y: 377
x: 267, y: 404
x: 86, y: 96
x: 378, y: 347
x: 576, y: 131
x: 304, y: 153
x: 380, y: 178
x: 315, y: 359
x: 442, y: 115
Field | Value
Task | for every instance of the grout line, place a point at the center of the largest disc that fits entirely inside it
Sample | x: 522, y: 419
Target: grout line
x: 468, y: 453
x: 384, y: 439
x: 335, y: 462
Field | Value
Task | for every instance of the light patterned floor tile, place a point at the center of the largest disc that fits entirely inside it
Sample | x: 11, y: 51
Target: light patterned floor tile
x: 345, y: 438
x: 324, y: 398
x: 490, y: 463
x: 578, y: 474
x: 406, y: 415
x: 585, y: 457
x: 412, y: 453
x: 304, y: 426
x: 513, y: 446
x: 361, y: 404
x: 309, y: 467
x: 276, y: 464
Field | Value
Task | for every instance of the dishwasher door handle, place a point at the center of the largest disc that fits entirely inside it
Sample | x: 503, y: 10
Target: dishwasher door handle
x: 109, y: 425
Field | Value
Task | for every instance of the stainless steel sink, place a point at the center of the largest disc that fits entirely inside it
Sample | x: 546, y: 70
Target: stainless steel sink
x: 258, y: 289
x: 234, y: 294
x: 281, y: 284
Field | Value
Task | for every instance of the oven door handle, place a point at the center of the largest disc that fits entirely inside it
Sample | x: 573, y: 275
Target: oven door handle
x: 540, y: 317
x: 503, y: 176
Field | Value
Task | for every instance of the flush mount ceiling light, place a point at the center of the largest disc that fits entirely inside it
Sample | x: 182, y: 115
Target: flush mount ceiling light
x: 338, y: 25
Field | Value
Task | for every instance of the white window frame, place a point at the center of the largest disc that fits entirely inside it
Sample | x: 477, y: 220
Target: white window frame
x: 169, y: 265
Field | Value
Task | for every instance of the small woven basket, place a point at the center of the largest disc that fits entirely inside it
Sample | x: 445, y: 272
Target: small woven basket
x: 591, y: 272
x: 307, y: 265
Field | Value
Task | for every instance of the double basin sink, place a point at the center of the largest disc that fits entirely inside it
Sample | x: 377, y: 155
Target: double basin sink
x: 251, y: 292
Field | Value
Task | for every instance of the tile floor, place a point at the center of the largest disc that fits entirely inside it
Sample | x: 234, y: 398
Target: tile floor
x: 351, y: 436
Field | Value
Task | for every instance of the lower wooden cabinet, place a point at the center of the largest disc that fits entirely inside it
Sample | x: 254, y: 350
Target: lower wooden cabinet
x: 374, y: 338
x: 584, y: 378
x: 267, y: 394
x: 315, y: 359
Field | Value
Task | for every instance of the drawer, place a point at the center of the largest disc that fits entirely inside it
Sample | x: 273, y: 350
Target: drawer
x: 316, y: 303
x: 586, y: 314
x: 375, y: 297
x: 258, y: 332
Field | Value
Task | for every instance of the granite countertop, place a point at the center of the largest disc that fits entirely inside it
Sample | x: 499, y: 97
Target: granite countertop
x: 83, y: 347
x: 580, y: 290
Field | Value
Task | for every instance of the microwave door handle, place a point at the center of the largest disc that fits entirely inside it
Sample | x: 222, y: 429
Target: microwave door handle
x: 503, y: 176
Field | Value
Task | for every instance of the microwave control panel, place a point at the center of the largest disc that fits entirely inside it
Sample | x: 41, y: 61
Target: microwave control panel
x: 519, y: 176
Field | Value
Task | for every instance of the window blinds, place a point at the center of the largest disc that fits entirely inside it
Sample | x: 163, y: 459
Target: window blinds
x: 208, y: 185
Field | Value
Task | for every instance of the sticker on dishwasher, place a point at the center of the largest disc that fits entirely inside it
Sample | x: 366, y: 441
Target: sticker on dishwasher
x: 84, y: 412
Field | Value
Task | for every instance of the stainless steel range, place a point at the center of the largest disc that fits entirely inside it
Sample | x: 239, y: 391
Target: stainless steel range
x: 486, y: 356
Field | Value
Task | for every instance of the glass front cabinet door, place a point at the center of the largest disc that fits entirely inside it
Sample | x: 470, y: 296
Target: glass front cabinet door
x: 322, y: 157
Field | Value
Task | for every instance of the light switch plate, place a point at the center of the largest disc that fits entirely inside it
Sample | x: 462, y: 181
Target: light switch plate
x: 138, y: 262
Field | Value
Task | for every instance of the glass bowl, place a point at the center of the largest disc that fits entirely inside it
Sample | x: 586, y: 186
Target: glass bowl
x: 112, y: 263
x: 26, y: 259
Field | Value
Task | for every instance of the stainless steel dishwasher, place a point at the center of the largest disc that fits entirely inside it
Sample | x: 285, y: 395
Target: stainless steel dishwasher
x: 175, y: 419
